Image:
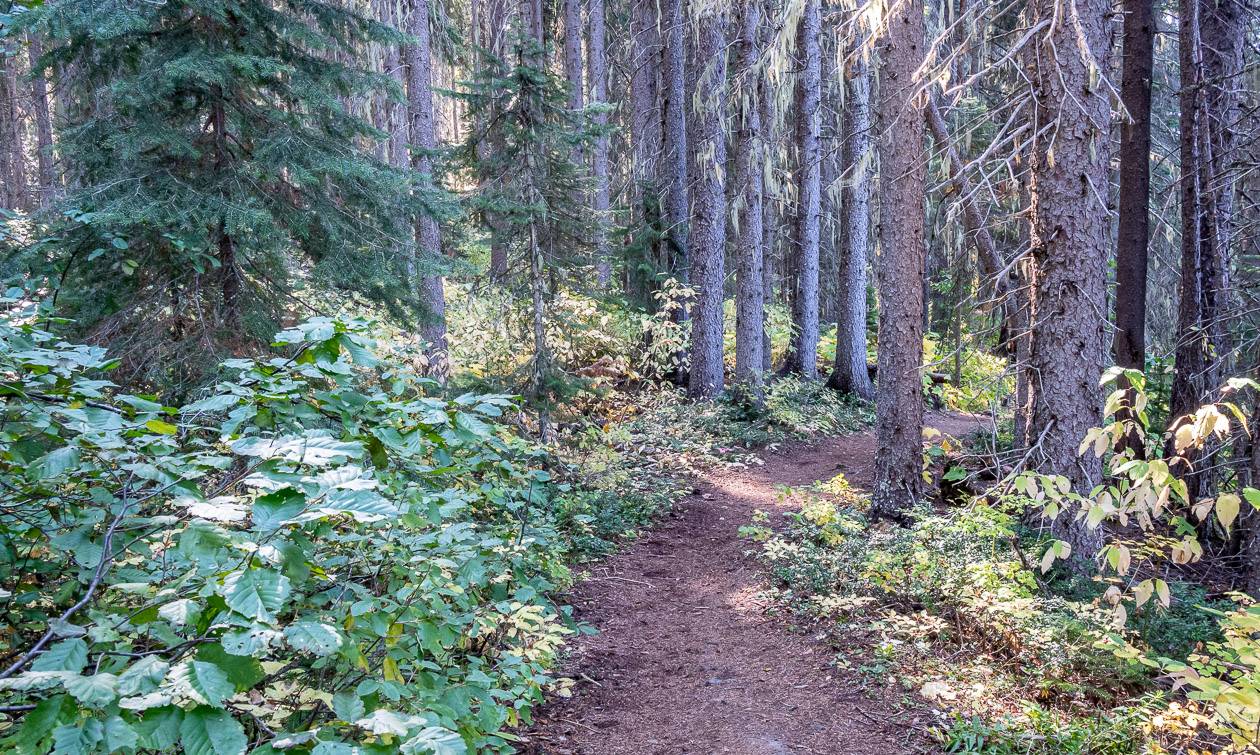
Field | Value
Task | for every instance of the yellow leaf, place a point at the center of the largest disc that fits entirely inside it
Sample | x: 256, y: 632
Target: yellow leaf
x: 1227, y: 509
x: 1143, y: 591
x: 1185, y: 437
x: 390, y: 670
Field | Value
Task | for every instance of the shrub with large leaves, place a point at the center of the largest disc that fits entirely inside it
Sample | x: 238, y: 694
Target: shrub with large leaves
x: 314, y: 557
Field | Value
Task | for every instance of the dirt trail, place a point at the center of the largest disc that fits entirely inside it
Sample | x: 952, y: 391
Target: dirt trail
x: 688, y: 661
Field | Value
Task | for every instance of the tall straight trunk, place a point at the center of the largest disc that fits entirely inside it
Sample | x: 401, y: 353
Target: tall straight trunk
x: 597, y: 69
x: 803, y: 353
x: 673, y: 169
x: 396, y: 112
x: 902, y: 256
x: 1190, y: 358
x: 1021, y: 321
x: 429, y: 286
x: 646, y: 139
x: 13, y: 195
x: 748, y: 181
x: 495, y: 15
x: 708, y: 232
x: 573, y: 52
x: 1070, y: 237
x: 43, y: 123
x: 1133, y: 239
x: 850, y: 374
x: 768, y: 219
x: 1211, y: 42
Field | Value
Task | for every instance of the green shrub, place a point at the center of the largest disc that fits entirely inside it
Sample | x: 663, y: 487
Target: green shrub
x: 316, y: 554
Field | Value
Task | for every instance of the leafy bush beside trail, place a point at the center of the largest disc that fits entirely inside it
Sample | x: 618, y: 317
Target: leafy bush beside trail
x: 314, y: 556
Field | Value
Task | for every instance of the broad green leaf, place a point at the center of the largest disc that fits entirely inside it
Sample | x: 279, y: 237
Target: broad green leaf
x: 38, y: 723
x: 54, y: 464
x: 471, y: 424
x: 78, y: 738
x: 211, y: 732
x: 363, y: 505
x: 67, y: 655
x: 243, y: 672
x: 255, y: 641
x: 96, y: 691
x: 30, y: 681
x: 255, y: 593
x: 313, y: 637
x: 435, y: 740
x: 347, y: 705
x: 211, y: 404
x: 181, y: 612
x: 317, y: 450
x: 119, y: 735
x: 202, y: 681
x: 1253, y: 497
x: 160, y: 728
x: 276, y: 508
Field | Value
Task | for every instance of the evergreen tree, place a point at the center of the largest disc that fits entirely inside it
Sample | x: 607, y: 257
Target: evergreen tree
x: 219, y: 169
x: 528, y: 183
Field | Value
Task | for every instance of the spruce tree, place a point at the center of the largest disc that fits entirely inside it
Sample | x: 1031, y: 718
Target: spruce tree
x: 218, y: 171
x: 527, y: 185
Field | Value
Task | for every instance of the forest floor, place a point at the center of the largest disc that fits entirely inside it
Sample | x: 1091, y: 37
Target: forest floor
x: 688, y: 659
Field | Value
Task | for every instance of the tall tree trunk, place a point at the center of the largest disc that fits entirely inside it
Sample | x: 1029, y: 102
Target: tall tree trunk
x: 645, y: 136
x: 768, y: 217
x: 13, y: 195
x: 902, y: 256
x: 428, y: 283
x: 803, y: 352
x: 673, y: 169
x: 1070, y: 239
x: 850, y: 374
x: 43, y: 124
x: 1211, y: 40
x: 708, y: 233
x: 598, y: 72
x: 1133, y: 239
x: 748, y: 181
x: 573, y: 52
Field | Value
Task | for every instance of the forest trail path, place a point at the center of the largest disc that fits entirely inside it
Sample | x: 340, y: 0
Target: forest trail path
x: 688, y: 661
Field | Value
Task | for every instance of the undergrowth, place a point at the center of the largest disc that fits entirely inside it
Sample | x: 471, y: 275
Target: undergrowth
x: 949, y: 609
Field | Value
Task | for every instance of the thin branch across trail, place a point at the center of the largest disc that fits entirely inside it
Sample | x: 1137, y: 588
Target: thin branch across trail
x: 688, y: 660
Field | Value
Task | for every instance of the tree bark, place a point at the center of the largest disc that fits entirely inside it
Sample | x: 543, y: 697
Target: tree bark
x: 902, y: 255
x: 1133, y: 239
x: 748, y: 180
x: 708, y: 233
x: 1135, y: 185
x: 429, y: 286
x: 803, y: 352
x: 13, y: 195
x: 573, y: 52
x: 43, y: 124
x: 597, y: 66
x: 1069, y: 243
x: 674, y: 167
x: 850, y: 374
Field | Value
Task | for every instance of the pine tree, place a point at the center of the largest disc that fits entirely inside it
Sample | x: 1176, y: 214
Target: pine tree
x: 215, y: 157
x: 527, y: 182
